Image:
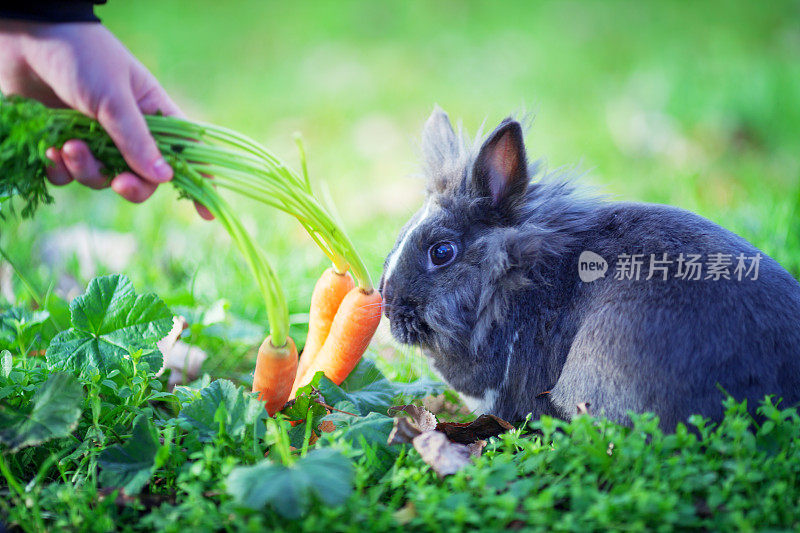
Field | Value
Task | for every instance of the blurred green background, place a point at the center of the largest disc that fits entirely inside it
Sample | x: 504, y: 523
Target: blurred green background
x: 687, y: 103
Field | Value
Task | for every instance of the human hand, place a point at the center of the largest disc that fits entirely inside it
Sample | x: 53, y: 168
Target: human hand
x: 83, y: 66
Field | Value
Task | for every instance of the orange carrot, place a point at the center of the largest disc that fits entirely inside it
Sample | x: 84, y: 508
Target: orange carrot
x: 329, y: 292
x: 352, y: 329
x: 275, y: 371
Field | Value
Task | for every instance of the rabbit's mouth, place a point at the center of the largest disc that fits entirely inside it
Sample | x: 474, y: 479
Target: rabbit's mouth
x: 406, y: 325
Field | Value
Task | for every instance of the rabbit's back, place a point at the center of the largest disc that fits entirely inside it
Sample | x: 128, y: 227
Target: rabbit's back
x: 664, y: 345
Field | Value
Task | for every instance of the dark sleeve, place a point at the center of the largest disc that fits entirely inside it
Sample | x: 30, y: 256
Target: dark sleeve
x: 50, y: 10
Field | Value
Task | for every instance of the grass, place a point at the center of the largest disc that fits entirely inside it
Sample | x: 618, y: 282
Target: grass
x: 695, y: 105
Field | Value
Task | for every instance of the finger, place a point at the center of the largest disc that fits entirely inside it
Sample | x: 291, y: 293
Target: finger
x: 132, y: 187
x: 57, y: 173
x: 150, y: 95
x: 28, y: 84
x: 124, y: 122
x: 203, y: 211
x: 156, y: 101
x: 82, y: 165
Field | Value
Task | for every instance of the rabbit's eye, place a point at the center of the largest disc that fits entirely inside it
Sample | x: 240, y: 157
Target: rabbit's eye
x: 442, y: 253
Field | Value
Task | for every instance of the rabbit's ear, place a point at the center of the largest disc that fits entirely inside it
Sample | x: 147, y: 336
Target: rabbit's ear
x: 441, y: 149
x: 500, y: 170
x: 438, y: 132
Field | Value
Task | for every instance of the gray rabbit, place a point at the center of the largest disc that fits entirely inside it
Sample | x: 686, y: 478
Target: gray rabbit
x: 531, y: 297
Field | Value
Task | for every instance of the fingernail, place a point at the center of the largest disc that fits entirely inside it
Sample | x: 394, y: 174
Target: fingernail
x: 161, y: 170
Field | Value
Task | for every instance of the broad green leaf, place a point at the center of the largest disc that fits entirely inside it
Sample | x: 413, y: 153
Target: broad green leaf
x: 237, y: 407
x: 330, y: 475
x: 366, y: 387
x: 54, y: 413
x: 324, y: 474
x: 131, y: 465
x: 109, y: 322
x: 374, y: 428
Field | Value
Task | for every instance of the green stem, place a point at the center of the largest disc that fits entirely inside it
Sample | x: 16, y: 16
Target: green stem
x: 262, y: 167
x: 307, y: 435
x: 298, y: 140
x: 343, y: 244
x: 201, y: 190
x: 281, y: 439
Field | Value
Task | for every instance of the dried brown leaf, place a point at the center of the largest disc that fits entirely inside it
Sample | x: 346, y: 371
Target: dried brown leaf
x: 403, y: 432
x: 447, y: 447
x: 422, y: 418
x: 444, y: 456
x: 327, y: 426
x: 476, y: 448
x: 481, y: 428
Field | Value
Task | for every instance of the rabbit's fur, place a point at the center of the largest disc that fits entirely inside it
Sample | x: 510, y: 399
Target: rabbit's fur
x: 512, y: 327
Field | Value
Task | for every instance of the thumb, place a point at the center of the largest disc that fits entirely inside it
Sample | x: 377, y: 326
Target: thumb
x: 125, y: 124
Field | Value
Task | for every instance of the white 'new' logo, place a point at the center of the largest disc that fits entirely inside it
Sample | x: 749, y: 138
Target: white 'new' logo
x: 591, y: 266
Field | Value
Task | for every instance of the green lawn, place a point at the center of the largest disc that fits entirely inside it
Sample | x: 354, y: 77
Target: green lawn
x: 692, y: 104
